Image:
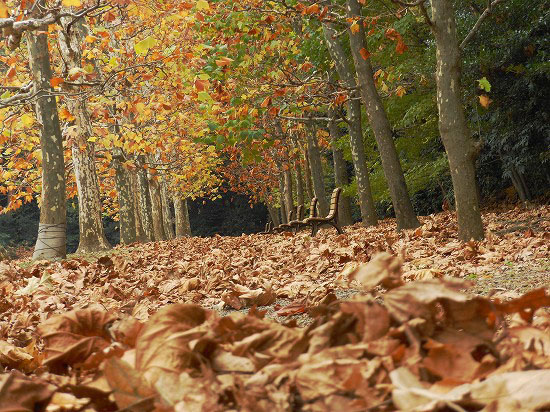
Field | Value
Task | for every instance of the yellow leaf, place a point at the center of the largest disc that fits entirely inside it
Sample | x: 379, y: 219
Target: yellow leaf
x: 27, y: 120
x: 4, y: 13
x: 354, y: 27
x: 71, y: 3
x: 92, y: 139
x: 202, y: 5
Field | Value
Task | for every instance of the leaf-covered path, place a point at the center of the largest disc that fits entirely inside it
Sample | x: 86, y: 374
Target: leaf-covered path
x: 68, y: 324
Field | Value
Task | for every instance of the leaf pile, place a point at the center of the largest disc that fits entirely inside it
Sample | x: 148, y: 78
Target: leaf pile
x: 112, y: 334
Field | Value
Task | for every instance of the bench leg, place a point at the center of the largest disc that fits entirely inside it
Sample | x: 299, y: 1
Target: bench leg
x: 314, y: 229
x: 337, y: 227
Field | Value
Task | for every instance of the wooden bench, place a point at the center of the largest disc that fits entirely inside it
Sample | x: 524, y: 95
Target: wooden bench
x: 330, y: 219
x: 298, y: 223
x: 268, y: 228
x: 284, y: 226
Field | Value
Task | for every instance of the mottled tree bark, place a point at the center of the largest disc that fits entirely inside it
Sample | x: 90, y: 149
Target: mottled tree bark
x: 140, y: 234
x: 156, y: 209
x: 52, y: 239
x: 453, y: 128
x: 316, y: 167
x: 284, y: 212
x: 183, y: 227
x: 273, y: 214
x: 166, y: 211
x: 364, y: 192
x: 123, y: 183
x: 92, y: 235
x: 378, y: 119
x: 307, y: 176
x: 341, y: 178
x: 145, y: 208
x: 289, y: 199
x: 299, y: 184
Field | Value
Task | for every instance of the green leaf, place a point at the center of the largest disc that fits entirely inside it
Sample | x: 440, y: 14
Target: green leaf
x: 143, y: 46
x: 484, y: 84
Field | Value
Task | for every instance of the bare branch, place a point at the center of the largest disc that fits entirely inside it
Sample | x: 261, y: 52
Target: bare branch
x: 480, y: 20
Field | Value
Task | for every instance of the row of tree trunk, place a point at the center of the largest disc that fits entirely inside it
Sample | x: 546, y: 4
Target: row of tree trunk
x: 357, y: 77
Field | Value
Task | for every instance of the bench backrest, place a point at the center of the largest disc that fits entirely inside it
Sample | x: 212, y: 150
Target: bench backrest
x: 290, y: 214
x: 313, y: 207
x: 300, y: 212
x: 334, y: 203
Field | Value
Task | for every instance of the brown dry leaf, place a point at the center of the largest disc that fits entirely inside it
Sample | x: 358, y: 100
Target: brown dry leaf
x: 126, y: 383
x: 19, y: 393
x: 71, y: 338
x: 171, y: 342
x: 383, y: 269
x: 372, y: 319
x: 413, y: 300
x: 66, y: 402
x: 16, y: 358
x: 127, y: 330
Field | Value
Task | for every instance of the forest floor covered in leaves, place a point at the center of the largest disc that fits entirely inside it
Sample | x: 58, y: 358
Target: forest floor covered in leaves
x: 368, y: 320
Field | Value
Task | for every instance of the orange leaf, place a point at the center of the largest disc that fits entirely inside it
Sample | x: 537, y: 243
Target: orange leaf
x: 56, y: 81
x: 401, y: 46
x: 266, y: 102
x: 354, y: 27
x: 314, y: 8
x: 224, y: 61
x: 200, y: 85
x: 484, y: 100
x: 306, y: 66
x: 364, y: 53
x: 11, y: 72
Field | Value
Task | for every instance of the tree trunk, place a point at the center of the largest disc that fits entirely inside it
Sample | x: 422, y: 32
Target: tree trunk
x: 140, y: 234
x: 166, y: 211
x: 364, y: 192
x: 52, y: 238
x: 183, y: 228
x: 156, y: 209
x: 273, y: 214
x: 127, y: 219
x: 289, y: 199
x: 307, y: 177
x: 453, y: 128
x: 316, y: 170
x: 145, y: 208
x: 92, y: 235
x: 281, y: 198
x: 378, y: 119
x: 299, y: 184
x: 341, y: 178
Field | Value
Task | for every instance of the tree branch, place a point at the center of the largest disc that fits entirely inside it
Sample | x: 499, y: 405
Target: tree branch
x: 476, y: 27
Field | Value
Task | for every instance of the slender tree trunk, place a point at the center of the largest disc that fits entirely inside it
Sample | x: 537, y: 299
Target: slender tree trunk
x: 166, y: 210
x: 273, y: 214
x: 341, y: 178
x: 52, y: 238
x: 183, y: 228
x: 316, y: 170
x: 140, y: 234
x: 364, y: 192
x: 145, y: 208
x: 156, y: 209
x: 92, y: 235
x: 127, y: 220
x: 453, y: 128
x: 378, y: 119
x: 307, y: 176
x: 289, y: 199
x: 299, y: 184
x: 284, y: 212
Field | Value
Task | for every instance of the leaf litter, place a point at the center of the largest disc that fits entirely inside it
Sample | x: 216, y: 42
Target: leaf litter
x: 371, y: 320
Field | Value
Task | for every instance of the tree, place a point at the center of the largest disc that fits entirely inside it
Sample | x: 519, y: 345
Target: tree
x: 404, y: 213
